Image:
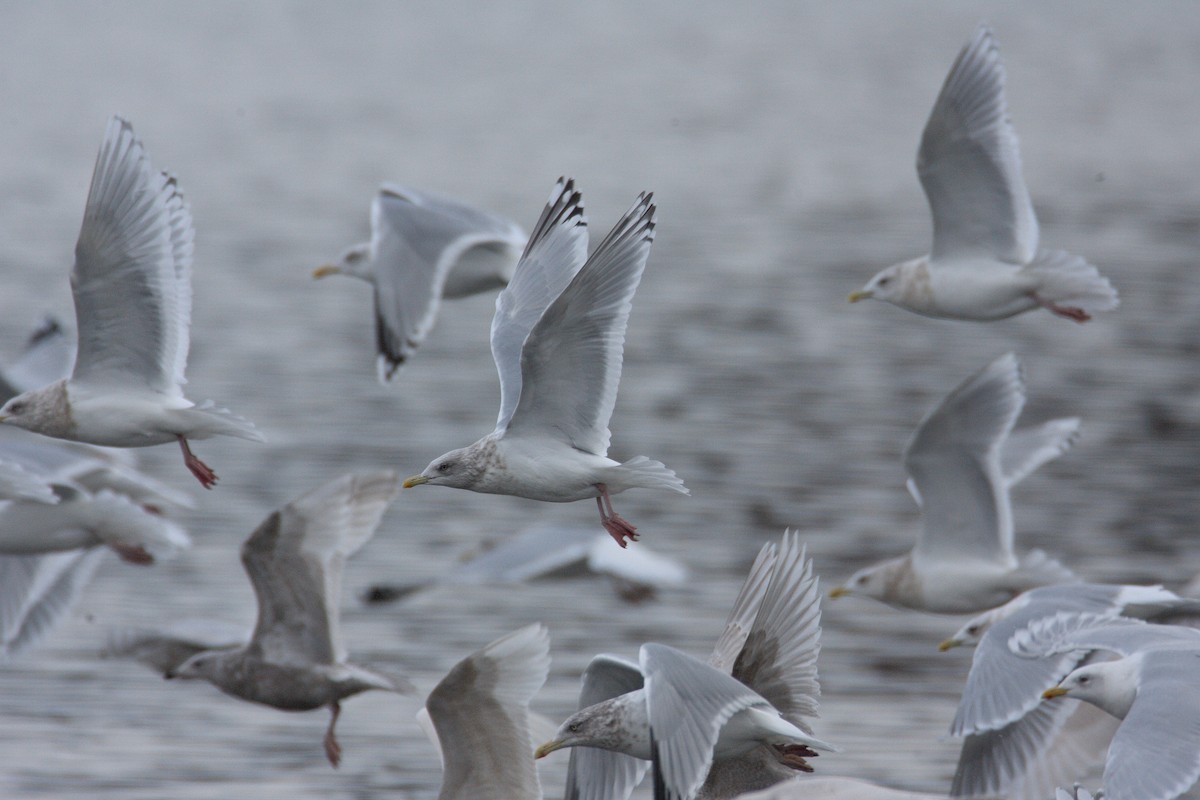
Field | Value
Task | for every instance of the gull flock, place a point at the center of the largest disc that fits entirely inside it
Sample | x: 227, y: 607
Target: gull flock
x: 1067, y: 676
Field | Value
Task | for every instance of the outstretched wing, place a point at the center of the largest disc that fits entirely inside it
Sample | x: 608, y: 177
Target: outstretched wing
x: 555, y: 252
x: 295, y: 560
x: 970, y: 166
x: 132, y: 280
x: 592, y: 773
x: 571, y: 360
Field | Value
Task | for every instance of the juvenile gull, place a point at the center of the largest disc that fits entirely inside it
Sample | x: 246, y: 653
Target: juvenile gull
x: 425, y: 247
x: 985, y: 263
x: 962, y: 462
x: 295, y: 659
x: 716, y: 729
x: 557, y: 339
x: 1015, y: 745
x: 133, y: 304
x: 1151, y: 687
x: 480, y: 716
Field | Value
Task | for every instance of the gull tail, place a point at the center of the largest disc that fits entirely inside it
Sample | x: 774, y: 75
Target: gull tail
x: 646, y: 473
x: 223, y: 422
x: 1066, y: 279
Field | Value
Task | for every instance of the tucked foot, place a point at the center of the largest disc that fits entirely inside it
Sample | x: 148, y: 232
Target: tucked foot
x: 203, y: 473
x: 794, y: 755
x: 1070, y: 312
x: 333, y: 750
x: 132, y: 553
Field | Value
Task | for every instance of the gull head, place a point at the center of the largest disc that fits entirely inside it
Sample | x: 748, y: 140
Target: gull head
x: 970, y: 634
x: 1110, y: 685
x: 874, y: 581
x: 44, y: 410
x: 603, y: 725
x: 459, y: 469
x: 205, y: 665
x: 895, y: 284
x: 354, y: 261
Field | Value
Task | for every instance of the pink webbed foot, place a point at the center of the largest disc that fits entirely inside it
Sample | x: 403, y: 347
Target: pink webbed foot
x: 203, y: 473
x: 617, y: 526
x: 333, y: 750
x: 132, y: 553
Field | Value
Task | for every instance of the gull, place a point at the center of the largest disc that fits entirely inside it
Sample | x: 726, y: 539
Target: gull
x: 837, y: 788
x: 962, y: 461
x: 1014, y: 745
x: 425, y: 247
x: 295, y: 659
x: 1151, y: 687
x: 985, y: 263
x: 133, y: 303
x: 480, y: 718
x: 557, y: 339
x: 712, y: 729
x: 551, y: 551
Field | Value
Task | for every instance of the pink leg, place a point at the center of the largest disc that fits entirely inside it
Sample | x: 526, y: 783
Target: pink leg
x: 618, y: 528
x: 133, y: 553
x: 202, y: 471
x: 333, y: 750
x: 1070, y: 312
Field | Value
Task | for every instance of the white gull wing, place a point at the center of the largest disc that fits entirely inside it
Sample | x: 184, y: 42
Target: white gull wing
x: 970, y: 166
x: 779, y: 658
x: 420, y: 243
x: 295, y: 560
x: 1003, y: 686
x: 132, y: 275
x: 1070, y: 631
x: 1025, y: 760
x: 480, y: 712
x: 1026, y: 449
x: 954, y: 460
x: 593, y: 773
x: 571, y: 360
x: 1155, y: 753
x: 555, y: 252
x: 745, y: 609
x: 688, y: 703
x: 36, y: 591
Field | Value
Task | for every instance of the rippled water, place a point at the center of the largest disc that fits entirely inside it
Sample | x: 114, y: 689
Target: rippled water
x: 779, y: 139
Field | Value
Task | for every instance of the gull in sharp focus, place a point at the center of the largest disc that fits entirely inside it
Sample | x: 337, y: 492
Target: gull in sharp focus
x: 1151, y: 687
x: 962, y: 461
x: 716, y: 729
x: 557, y: 339
x: 295, y: 659
x: 425, y: 247
x: 1014, y: 745
x: 133, y: 304
x: 985, y: 263
x: 480, y: 717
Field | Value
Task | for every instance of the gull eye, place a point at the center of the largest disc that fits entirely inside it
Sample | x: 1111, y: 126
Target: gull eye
x: 973, y: 629
x: 884, y: 281
x: 444, y: 466
x: 17, y: 408
x: 573, y: 727
x: 1083, y: 680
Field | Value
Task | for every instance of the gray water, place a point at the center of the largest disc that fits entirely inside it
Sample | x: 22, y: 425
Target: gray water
x: 779, y: 139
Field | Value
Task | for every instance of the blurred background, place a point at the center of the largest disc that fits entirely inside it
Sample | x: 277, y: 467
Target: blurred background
x: 779, y: 139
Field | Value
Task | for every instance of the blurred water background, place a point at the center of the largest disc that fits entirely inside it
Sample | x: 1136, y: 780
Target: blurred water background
x: 779, y: 138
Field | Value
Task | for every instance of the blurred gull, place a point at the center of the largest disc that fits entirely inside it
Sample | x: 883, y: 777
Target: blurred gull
x: 557, y: 339
x: 715, y: 729
x: 1015, y: 745
x: 836, y: 788
x: 985, y: 263
x: 962, y: 461
x: 295, y: 659
x: 1151, y: 687
x: 551, y: 551
x: 480, y: 718
x: 425, y: 247
x: 133, y: 302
